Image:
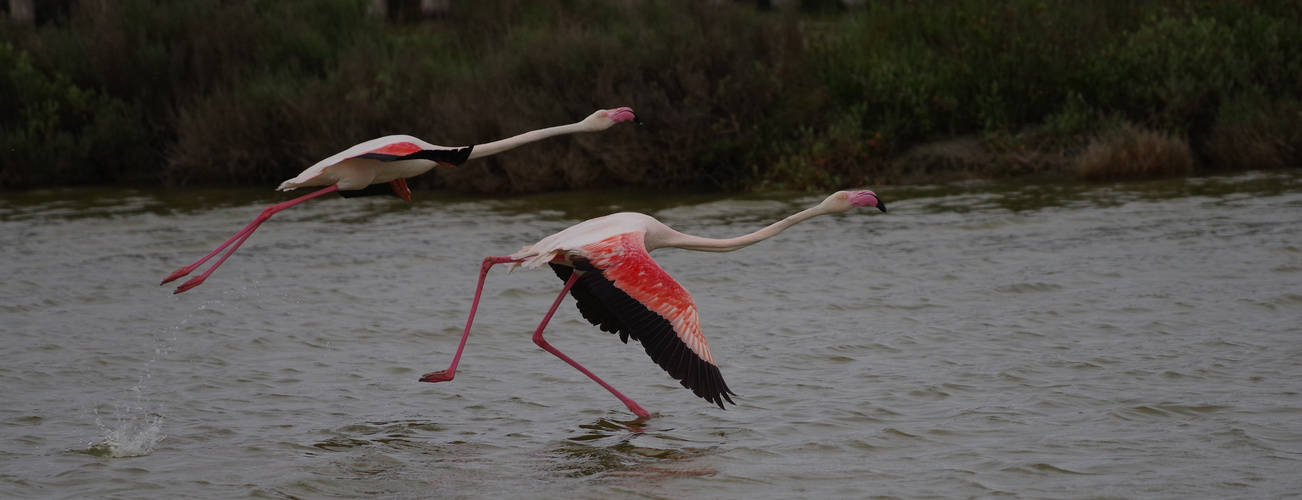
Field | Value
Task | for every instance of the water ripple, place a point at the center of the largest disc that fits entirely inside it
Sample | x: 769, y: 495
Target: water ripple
x: 1130, y: 340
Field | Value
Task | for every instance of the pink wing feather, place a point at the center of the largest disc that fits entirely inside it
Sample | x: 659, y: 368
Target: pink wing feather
x: 403, y: 148
x: 625, y: 261
x: 624, y: 291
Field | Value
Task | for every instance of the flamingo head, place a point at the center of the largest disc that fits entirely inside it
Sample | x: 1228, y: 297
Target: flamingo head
x: 606, y: 118
x: 843, y: 201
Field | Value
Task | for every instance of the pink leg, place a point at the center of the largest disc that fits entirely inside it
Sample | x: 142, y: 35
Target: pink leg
x: 538, y: 339
x: 446, y: 375
x: 198, y: 280
x: 238, y: 240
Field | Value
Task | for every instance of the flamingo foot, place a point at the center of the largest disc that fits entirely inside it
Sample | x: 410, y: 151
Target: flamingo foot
x: 638, y: 410
x: 178, y: 274
x: 195, y: 281
x: 438, y: 376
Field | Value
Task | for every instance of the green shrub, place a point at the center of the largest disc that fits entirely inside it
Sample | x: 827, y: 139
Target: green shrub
x: 60, y: 133
x: 253, y: 91
x: 1254, y: 132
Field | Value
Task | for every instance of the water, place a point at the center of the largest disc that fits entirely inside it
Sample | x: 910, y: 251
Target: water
x: 1042, y: 340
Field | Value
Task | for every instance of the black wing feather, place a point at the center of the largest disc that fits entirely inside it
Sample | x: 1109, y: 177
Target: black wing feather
x: 454, y: 156
x: 609, y: 308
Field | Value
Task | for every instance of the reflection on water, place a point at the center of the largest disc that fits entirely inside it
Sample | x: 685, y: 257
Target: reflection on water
x: 610, y: 447
x: 627, y: 459
x: 1025, y: 339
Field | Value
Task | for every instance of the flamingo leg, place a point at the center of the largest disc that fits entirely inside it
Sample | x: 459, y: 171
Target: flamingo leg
x: 446, y: 375
x: 238, y: 240
x: 538, y: 339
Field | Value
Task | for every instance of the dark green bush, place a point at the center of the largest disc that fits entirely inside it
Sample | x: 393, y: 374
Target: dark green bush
x: 56, y: 131
x: 253, y: 91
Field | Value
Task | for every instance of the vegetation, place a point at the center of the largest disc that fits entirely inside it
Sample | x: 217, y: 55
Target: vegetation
x: 253, y: 91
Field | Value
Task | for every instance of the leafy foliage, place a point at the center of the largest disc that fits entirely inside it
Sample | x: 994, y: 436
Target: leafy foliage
x: 252, y: 91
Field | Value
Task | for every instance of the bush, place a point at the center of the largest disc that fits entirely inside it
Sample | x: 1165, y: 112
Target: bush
x: 1133, y: 153
x: 253, y: 91
x: 1252, y: 134
x: 60, y: 132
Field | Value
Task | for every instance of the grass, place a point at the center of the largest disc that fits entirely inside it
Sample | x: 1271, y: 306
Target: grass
x: 252, y: 91
x: 1133, y: 153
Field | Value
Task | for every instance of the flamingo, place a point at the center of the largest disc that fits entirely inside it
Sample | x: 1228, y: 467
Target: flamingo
x: 381, y: 167
x: 606, y: 267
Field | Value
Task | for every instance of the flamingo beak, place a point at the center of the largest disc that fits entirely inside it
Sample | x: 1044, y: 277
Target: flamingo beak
x: 866, y: 198
x: 618, y: 115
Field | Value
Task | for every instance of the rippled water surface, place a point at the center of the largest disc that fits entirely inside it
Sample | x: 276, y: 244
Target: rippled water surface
x: 1044, y: 340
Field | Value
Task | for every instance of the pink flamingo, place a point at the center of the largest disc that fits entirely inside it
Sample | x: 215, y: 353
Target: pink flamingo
x: 605, y: 265
x: 380, y: 167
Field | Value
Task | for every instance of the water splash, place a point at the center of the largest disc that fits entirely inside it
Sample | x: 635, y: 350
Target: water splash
x: 137, y: 430
x: 136, y: 436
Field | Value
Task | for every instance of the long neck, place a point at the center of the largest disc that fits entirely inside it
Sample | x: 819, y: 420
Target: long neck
x: 697, y: 243
x: 492, y: 148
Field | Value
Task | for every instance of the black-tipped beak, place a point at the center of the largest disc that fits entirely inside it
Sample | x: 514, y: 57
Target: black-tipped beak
x: 637, y: 120
x: 881, y: 205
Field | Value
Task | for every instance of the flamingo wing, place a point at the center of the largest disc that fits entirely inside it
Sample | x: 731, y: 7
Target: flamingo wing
x: 622, y: 290
x: 386, y: 149
x: 407, y: 150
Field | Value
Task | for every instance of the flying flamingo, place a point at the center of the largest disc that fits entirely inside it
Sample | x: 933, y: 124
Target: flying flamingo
x: 605, y: 265
x: 381, y: 166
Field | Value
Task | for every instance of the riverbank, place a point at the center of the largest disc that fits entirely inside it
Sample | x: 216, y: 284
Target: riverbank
x: 247, y: 93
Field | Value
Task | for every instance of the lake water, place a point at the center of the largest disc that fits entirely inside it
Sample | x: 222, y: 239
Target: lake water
x: 1017, y: 340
